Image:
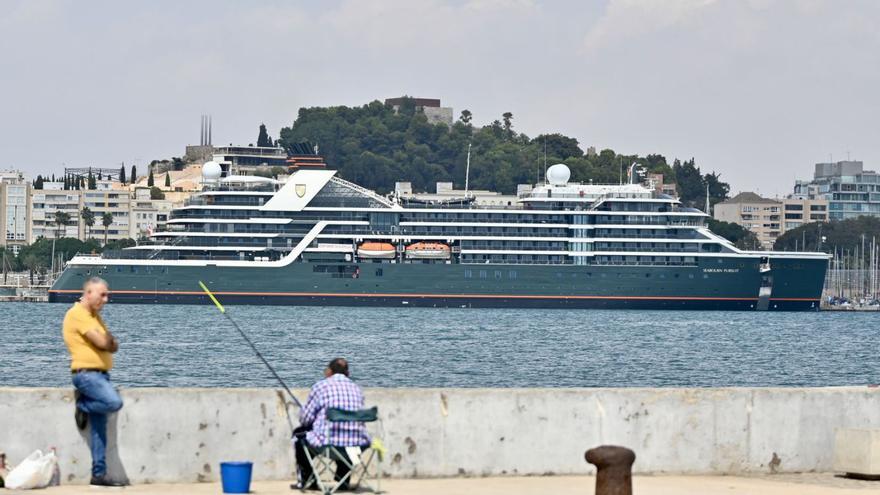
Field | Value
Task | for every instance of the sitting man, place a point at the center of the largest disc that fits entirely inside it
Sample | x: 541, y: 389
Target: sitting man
x: 335, y: 391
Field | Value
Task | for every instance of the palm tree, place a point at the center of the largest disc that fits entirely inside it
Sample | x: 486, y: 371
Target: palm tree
x: 106, y: 220
x: 88, y: 217
x: 62, y: 218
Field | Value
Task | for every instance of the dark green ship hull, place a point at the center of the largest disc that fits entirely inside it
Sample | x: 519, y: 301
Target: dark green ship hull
x: 722, y: 283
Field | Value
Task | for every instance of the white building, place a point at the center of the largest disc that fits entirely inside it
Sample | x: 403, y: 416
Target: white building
x: 49, y: 201
x: 15, y: 211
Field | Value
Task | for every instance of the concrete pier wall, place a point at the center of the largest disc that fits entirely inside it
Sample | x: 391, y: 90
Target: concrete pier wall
x: 183, y: 434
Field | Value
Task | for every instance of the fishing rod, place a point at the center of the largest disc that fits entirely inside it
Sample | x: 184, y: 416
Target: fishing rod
x: 244, y: 335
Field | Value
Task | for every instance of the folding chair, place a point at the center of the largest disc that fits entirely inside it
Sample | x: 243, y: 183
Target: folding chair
x: 364, y: 463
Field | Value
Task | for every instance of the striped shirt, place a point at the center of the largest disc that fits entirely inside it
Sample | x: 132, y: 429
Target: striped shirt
x: 338, y: 392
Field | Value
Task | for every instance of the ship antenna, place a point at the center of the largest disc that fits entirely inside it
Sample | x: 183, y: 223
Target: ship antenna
x: 545, y: 155
x: 707, y: 200
x: 467, y: 171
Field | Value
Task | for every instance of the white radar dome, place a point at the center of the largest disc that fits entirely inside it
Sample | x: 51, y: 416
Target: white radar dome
x: 211, y: 171
x: 558, y: 174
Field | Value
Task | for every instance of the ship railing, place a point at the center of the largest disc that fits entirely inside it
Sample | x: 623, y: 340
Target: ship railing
x: 363, y: 190
x: 513, y: 263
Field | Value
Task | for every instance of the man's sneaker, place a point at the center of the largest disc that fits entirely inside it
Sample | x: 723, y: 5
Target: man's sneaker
x: 104, y: 482
x: 81, y: 417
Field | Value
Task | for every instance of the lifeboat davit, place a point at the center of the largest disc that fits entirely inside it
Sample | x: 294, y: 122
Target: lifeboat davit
x: 376, y: 250
x: 428, y: 251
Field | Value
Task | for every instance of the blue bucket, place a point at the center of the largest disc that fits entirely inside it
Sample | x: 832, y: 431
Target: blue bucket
x: 236, y: 476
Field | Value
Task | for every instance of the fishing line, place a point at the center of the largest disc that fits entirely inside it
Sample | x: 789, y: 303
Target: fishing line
x: 244, y: 335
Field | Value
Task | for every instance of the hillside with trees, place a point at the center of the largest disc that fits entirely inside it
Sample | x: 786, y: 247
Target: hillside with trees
x: 375, y: 146
x: 840, y: 235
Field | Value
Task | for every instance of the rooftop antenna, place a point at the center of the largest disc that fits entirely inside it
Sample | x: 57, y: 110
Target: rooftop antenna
x: 210, y: 121
x: 467, y: 171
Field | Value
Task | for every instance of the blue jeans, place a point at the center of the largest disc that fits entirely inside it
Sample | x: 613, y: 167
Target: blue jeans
x: 98, y: 398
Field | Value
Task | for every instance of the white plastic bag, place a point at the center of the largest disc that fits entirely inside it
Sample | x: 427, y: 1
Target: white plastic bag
x: 33, y: 472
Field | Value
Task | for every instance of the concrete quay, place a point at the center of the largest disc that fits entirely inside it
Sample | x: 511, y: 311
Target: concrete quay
x: 812, y: 484
x: 182, y: 435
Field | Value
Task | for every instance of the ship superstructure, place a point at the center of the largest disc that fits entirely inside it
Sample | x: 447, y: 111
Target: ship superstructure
x: 319, y: 239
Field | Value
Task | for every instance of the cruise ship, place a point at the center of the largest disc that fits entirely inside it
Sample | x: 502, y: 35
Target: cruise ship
x: 317, y: 239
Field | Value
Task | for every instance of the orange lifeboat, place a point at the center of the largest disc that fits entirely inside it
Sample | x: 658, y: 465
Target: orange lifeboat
x: 428, y: 251
x: 376, y: 250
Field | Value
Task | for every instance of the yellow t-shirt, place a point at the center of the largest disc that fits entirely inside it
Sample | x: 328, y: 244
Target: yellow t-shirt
x: 83, y: 354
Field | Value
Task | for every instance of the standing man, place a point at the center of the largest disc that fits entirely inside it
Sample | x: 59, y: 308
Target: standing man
x: 91, y: 348
x: 335, y: 391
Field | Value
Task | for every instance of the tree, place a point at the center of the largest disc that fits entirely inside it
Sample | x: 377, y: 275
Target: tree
x: 263, y: 138
x: 691, y: 189
x: 508, y: 124
x: 62, y: 218
x: 375, y: 145
x: 134, y: 174
x: 842, y: 235
x: 122, y: 174
x: 735, y: 233
x: 150, y: 181
x: 558, y: 147
x: 92, y: 182
x: 718, y: 191
x: 88, y: 217
x: 168, y: 179
x: 38, y: 183
x: 106, y: 220
x: 156, y: 193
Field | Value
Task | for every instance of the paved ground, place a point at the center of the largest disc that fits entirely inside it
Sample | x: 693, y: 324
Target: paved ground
x: 806, y: 484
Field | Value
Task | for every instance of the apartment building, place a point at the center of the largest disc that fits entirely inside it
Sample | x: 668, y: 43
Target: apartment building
x: 800, y: 210
x: 762, y: 216
x: 849, y: 189
x: 110, y: 197
x: 49, y: 201
x: 15, y: 211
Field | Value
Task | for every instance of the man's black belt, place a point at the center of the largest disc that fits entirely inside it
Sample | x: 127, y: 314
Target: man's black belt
x: 82, y: 370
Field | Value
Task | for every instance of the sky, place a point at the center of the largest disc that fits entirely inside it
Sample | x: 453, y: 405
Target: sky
x: 756, y: 90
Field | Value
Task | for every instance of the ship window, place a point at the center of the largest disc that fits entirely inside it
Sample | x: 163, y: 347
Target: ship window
x: 134, y: 269
x: 690, y: 275
x: 468, y: 274
x: 482, y: 273
x: 498, y: 274
x: 705, y: 275
x: 676, y: 275
x: 511, y: 274
x: 378, y: 272
x: 118, y: 269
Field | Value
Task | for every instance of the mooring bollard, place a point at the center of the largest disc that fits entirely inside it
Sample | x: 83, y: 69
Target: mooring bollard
x: 613, y: 469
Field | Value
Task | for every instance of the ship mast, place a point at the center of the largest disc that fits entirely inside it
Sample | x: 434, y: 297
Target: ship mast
x: 467, y: 171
